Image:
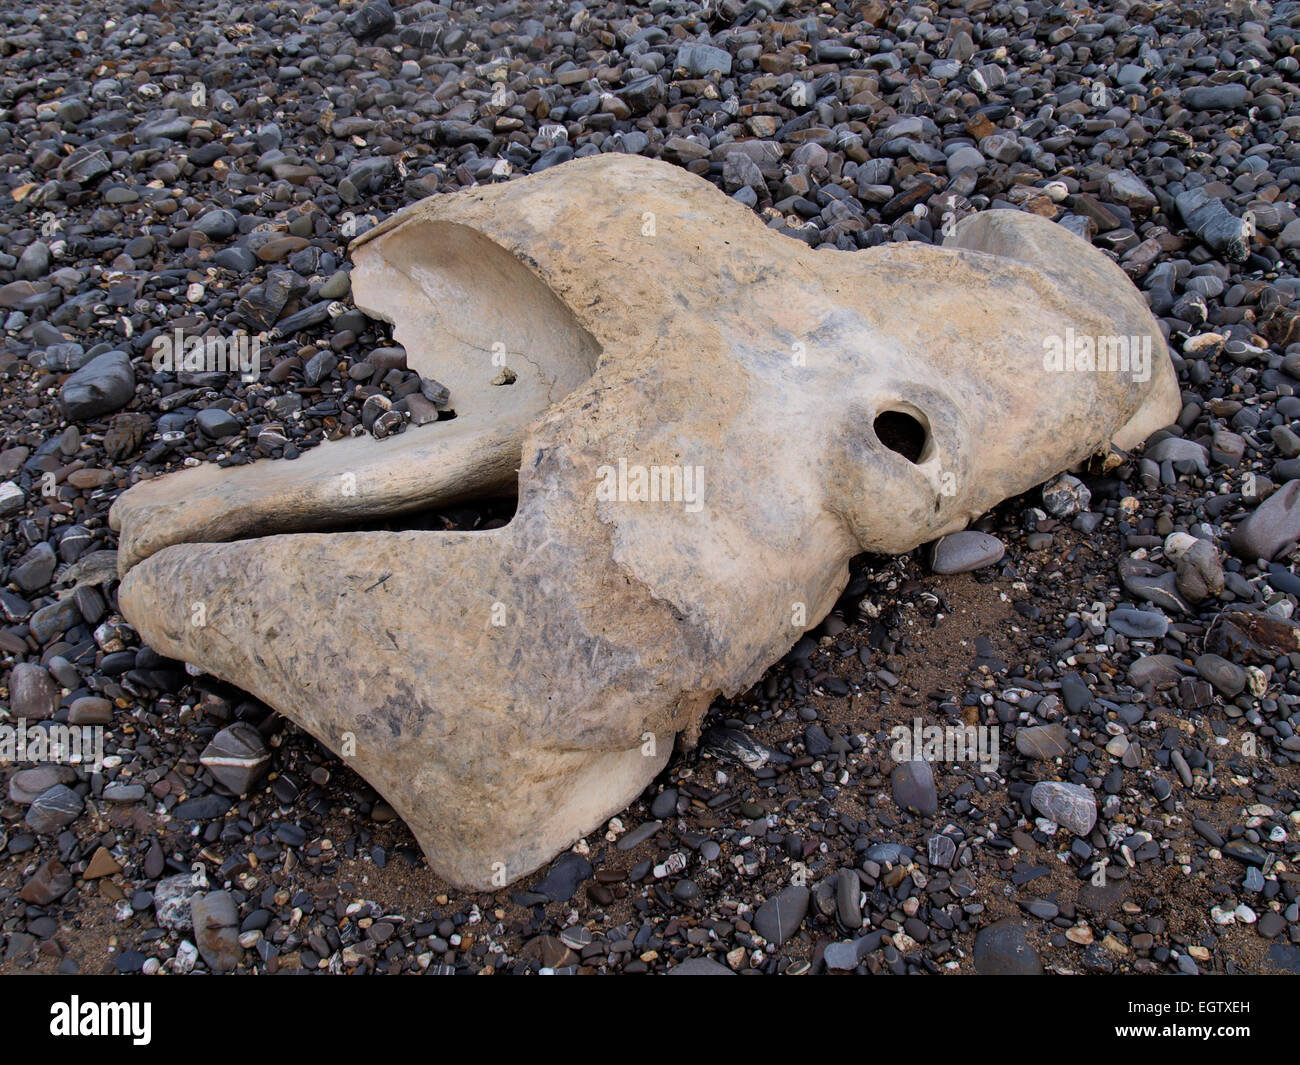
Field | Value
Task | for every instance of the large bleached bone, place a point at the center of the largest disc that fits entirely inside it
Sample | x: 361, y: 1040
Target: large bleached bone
x: 508, y: 690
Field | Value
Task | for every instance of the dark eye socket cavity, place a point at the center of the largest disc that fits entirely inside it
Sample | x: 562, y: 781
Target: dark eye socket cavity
x: 902, y: 433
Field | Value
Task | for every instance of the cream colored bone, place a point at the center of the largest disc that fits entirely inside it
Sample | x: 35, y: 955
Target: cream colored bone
x: 507, y: 691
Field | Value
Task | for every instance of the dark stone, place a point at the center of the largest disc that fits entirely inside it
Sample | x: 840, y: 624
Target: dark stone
x: 780, y: 917
x: 1002, y: 949
x: 32, y: 693
x: 371, y: 20
x: 53, y: 810
x: 103, y: 385
x: 914, y: 788
x: 201, y: 808
x: 563, y: 879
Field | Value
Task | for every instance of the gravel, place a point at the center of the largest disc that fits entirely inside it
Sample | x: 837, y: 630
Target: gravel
x: 1141, y: 813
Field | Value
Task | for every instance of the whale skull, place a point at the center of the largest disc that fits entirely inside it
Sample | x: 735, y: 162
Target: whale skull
x: 508, y: 690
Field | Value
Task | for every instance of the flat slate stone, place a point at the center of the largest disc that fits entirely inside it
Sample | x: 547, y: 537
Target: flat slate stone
x: 780, y: 916
x: 1002, y: 949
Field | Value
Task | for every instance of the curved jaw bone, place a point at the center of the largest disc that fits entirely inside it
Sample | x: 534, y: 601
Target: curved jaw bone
x: 695, y: 432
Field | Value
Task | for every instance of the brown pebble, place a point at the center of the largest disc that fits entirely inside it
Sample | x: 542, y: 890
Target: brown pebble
x: 90, y: 710
x: 101, y: 864
x: 89, y: 478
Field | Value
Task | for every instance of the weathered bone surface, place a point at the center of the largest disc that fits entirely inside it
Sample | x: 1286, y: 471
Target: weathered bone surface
x: 652, y: 322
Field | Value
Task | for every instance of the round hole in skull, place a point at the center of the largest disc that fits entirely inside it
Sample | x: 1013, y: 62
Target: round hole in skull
x: 902, y: 432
